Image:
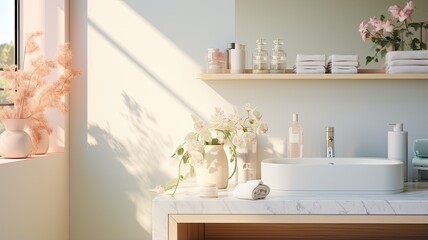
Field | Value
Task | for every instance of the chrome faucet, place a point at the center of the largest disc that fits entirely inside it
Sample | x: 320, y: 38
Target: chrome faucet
x: 329, y: 141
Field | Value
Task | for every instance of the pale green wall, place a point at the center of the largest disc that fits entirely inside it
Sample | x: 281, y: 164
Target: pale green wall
x: 313, y: 27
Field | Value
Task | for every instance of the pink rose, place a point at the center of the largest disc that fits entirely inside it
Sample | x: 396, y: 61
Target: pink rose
x: 388, y: 27
x: 363, y: 30
x: 395, y: 11
x: 363, y: 27
x: 364, y: 36
x: 373, y: 21
x: 407, y: 11
x: 376, y: 23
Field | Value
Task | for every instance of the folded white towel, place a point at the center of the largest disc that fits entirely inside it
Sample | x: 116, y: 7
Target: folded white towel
x: 407, y: 69
x: 310, y: 63
x: 343, y: 70
x: 343, y: 58
x: 319, y: 67
x: 306, y: 58
x: 344, y: 63
x: 419, y: 62
x: 409, y: 55
x: 252, y: 190
x: 309, y: 70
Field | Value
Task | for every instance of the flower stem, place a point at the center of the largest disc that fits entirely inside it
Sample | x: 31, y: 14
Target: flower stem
x: 410, y: 36
x: 235, y: 160
x: 179, y: 178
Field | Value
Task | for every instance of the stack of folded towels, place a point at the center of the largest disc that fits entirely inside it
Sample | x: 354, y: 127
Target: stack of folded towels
x: 312, y: 64
x: 406, y: 62
x: 420, y: 147
x: 339, y: 64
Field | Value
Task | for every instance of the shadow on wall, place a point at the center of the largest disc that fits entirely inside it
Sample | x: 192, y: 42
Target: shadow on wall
x: 120, y: 198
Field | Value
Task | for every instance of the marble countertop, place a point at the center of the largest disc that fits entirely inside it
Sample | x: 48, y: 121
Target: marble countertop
x: 413, y: 200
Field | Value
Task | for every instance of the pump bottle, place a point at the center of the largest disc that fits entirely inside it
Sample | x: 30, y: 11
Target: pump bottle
x: 397, y: 145
x: 295, y: 139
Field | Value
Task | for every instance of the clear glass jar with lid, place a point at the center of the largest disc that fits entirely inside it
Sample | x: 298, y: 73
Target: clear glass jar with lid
x: 260, y: 58
x: 278, y: 58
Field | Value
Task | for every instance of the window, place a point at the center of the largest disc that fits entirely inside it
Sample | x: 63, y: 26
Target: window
x: 8, y: 32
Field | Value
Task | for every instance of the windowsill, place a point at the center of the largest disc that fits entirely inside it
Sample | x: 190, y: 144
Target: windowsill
x: 31, y: 158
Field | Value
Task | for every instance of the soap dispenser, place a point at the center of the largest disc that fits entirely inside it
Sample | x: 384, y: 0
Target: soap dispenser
x: 260, y: 58
x: 397, y: 145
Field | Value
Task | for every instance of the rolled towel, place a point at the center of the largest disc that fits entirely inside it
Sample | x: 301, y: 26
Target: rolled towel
x: 420, y: 147
x: 409, y: 55
x: 343, y: 58
x: 252, y: 190
x: 420, y: 162
x: 419, y: 62
x: 306, y: 58
x: 407, y: 69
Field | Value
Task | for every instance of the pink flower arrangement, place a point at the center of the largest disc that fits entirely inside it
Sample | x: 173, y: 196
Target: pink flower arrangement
x: 29, y: 90
x: 396, y: 33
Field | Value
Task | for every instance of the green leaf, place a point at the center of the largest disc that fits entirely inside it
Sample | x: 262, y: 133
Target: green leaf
x: 415, y: 25
x: 192, y: 171
x: 185, y: 157
x: 368, y: 59
x: 423, y: 46
x: 214, y: 141
x: 383, y: 53
x: 382, y: 17
x: 180, y: 151
x: 171, y: 184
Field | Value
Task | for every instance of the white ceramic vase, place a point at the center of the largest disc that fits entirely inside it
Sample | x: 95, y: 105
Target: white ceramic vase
x: 14, y: 141
x: 246, y: 160
x: 215, y: 168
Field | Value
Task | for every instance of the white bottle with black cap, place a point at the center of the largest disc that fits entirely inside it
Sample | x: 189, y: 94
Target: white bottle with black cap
x: 397, y: 145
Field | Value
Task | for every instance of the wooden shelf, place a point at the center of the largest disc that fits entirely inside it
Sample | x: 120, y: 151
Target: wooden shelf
x: 363, y: 74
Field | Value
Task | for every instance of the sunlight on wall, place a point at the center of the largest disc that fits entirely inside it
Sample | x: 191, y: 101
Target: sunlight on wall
x: 141, y: 91
x: 39, y: 15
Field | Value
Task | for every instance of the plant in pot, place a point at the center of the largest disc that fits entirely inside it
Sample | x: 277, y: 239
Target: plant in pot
x: 31, y: 94
x: 396, y: 33
x: 202, y: 153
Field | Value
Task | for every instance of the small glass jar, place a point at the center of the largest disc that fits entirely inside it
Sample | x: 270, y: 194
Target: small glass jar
x: 215, y: 61
x: 260, y: 58
x: 278, y: 58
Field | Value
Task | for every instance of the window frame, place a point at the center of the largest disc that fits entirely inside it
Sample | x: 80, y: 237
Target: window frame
x: 17, y: 27
x: 17, y: 23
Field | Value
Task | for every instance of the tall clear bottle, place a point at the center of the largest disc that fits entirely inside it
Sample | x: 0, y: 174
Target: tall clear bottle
x: 278, y: 58
x: 295, y: 139
x: 260, y: 58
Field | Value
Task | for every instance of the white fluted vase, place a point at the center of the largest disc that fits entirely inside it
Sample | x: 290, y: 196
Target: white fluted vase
x: 247, y: 165
x: 215, y: 168
x: 14, y: 141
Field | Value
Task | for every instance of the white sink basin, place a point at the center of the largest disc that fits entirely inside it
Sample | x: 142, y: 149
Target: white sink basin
x: 353, y: 175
